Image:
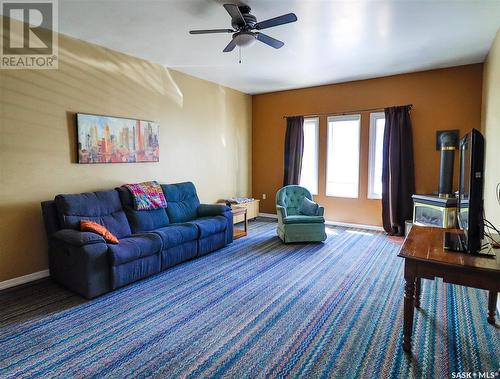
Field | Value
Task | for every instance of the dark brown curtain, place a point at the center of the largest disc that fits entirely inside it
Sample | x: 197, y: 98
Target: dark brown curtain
x: 398, y: 174
x: 294, y: 148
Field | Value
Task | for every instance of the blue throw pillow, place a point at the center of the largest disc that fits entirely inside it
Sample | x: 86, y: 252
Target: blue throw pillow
x: 308, y: 207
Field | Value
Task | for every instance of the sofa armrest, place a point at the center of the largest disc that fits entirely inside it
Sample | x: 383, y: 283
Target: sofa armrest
x: 212, y: 210
x: 77, y: 238
x: 83, y: 269
x: 229, y: 230
x: 321, y: 211
x: 281, y: 212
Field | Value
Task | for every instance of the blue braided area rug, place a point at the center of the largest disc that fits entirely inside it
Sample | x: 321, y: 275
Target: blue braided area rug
x: 255, y: 309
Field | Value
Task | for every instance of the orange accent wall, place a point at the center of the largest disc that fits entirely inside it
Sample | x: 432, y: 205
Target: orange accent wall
x: 443, y: 99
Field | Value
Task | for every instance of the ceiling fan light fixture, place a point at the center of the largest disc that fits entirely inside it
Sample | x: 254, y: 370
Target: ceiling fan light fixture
x: 244, y: 25
x: 244, y: 39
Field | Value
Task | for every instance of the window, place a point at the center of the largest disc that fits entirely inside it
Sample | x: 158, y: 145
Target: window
x: 342, y: 172
x: 377, y: 125
x: 309, y: 173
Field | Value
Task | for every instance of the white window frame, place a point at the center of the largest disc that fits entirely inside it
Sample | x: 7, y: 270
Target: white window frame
x: 316, y: 122
x: 371, y: 153
x: 350, y: 117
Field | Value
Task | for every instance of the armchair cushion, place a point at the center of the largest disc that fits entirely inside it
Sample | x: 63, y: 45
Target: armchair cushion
x: 301, y: 219
x: 76, y: 238
x: 205, y: 210
x: 308, y: 207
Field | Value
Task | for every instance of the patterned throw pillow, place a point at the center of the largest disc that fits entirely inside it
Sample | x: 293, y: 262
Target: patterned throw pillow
x: 94, y: 227
x: 147, y: 195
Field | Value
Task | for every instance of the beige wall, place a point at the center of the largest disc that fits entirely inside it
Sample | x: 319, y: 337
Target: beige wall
x: 205, y: 137
x: 491, y: 130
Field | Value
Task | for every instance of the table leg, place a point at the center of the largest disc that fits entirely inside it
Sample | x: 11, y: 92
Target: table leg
x: 408, y: 312
x: 246, y: 223
x: 418, y: 286
x: 492, y: 305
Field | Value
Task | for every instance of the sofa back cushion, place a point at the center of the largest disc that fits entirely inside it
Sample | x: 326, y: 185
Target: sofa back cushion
x: 182, y: 201
x: 103, y: 207
x: 143, y: 220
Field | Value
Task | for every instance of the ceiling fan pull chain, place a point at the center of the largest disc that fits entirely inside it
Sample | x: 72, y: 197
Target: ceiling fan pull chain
x: 239, y: 48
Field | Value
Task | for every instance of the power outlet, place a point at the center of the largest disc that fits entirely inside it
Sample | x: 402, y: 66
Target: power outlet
x: 264, y: 196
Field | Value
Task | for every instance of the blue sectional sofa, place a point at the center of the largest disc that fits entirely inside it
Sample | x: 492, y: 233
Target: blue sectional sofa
x: 150, y: 241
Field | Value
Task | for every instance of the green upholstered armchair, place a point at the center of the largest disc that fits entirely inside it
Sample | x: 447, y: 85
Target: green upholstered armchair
x: 293, y: 226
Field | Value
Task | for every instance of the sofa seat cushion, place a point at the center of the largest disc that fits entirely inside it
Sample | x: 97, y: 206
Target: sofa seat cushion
x: 301, y: 219
x: 103, y: 207
x: 177, y: 234
x: 210, y: 225
x: 134, y: 247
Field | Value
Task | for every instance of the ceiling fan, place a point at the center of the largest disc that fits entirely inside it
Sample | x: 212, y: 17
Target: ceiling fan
x: 244, y: 25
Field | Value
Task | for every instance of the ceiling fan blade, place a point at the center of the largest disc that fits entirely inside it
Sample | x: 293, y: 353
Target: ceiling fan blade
x: 230, y: 46
x: 210, y: 31
x: 235, y: 13
x: 280, y: 20
x: 273, y: 42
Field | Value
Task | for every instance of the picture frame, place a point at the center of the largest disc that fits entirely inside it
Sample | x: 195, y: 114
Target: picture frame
x: 109, y: 139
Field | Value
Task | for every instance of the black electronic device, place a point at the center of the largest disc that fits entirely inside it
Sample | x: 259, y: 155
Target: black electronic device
x: 470, y: 196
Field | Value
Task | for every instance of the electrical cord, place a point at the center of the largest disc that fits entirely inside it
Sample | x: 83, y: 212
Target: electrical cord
x: 493, y: 240
x: 489, y: 226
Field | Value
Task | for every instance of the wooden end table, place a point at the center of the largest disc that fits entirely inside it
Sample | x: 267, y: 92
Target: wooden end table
x: 239, y: 211
x: 426, y: 258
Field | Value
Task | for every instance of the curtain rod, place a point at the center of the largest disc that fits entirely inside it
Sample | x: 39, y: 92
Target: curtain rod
x: 348, y: 112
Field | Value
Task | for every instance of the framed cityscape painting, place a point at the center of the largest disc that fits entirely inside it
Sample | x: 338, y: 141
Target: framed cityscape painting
x: 105, y: 139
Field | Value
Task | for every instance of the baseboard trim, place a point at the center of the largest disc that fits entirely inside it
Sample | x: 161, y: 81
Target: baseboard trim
x: 24, y: 279
x: 335, y: 223
x: 269, y: 215
x: 358, y: 226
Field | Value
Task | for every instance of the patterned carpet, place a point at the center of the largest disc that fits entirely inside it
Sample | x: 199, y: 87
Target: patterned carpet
x: 257, y: 308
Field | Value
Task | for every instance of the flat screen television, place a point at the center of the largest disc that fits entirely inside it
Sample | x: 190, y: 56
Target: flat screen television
x: 470, y: 196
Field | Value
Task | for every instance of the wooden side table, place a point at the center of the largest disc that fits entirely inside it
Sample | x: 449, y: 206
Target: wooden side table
x: 238, y: 214
x: 251, y: 206
x: 426, y: 258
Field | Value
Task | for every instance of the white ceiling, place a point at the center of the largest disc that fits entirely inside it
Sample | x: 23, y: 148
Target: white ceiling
x: 332, y: 41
